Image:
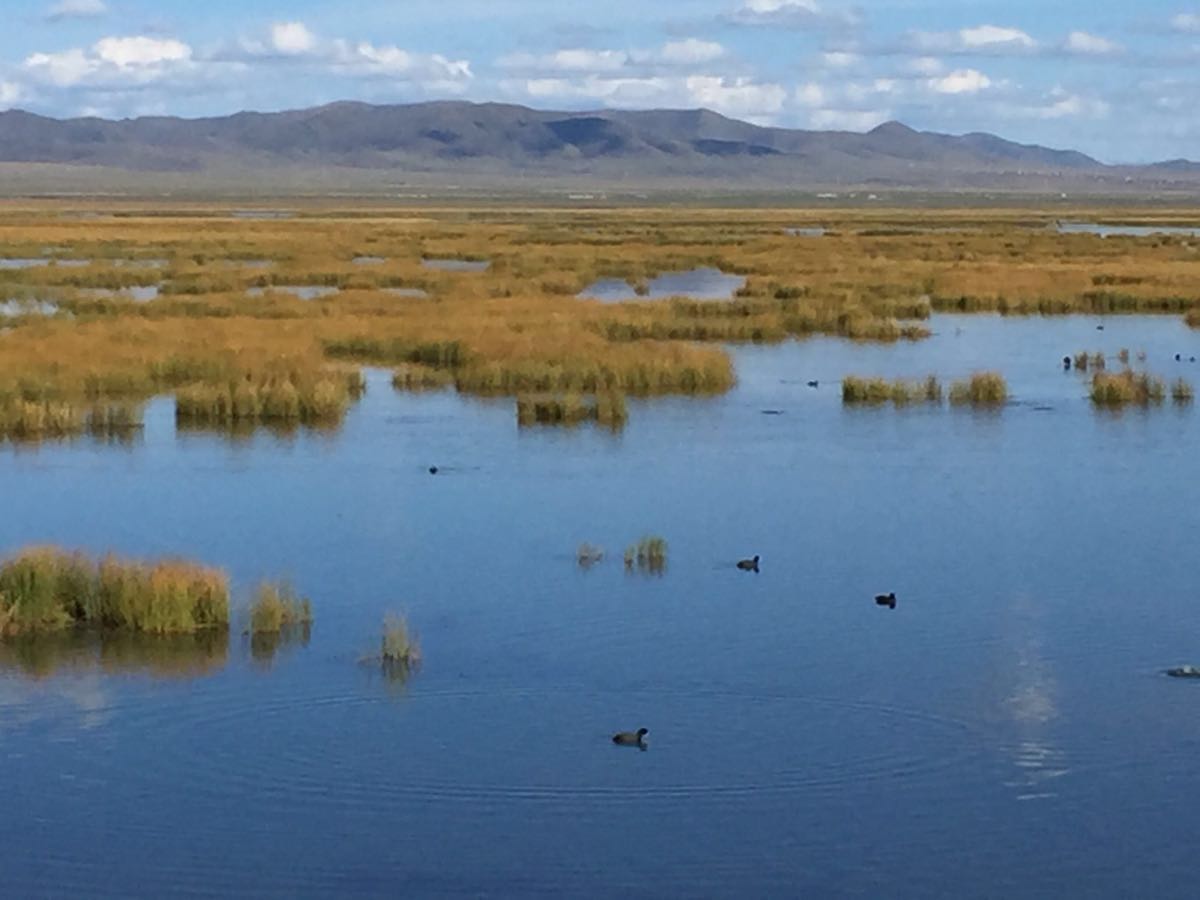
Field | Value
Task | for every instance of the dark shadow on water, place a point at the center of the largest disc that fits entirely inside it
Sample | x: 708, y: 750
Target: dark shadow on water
x: 169, y: 657
x: 265, y: 647
x: 244, y: 432
x: 393, y: 675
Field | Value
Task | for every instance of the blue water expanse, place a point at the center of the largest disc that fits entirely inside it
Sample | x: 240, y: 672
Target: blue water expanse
x: 1006, y: 731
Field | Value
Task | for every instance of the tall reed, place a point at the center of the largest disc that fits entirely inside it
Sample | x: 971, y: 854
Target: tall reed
x: 1127, y: 387
x: 981, y: 389
x: 649, y: 554
x: 47, y: 588
x: 901, y: 392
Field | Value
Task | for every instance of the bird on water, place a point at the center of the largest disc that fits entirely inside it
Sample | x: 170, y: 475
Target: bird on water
x: 631, y: 738
x: 888, y: 600
x: 748, y: 565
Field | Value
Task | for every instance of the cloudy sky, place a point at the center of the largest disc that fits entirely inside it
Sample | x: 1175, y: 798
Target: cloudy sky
x: 1118, y: 80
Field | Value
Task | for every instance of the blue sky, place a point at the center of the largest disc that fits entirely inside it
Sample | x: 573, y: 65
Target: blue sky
x: 1119, y: 81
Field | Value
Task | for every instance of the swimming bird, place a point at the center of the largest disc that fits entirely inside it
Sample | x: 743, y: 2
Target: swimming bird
x: 888, y: 600
x: 1178, y: 357
x: 814, y: 384
x: 631, y: 738
x: 433, y: 470
x: 1184, y: 672
x: 748, y: 565
x: 1099, y: 327
x: 1066, y: 362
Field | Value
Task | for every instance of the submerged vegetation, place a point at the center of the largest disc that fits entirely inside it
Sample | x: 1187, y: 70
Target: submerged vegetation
x: 278, y: 617
x: 981, y: 389
x: 48, y: 589
x: 571, y: 409
x: 277, y: 607
x: 399, y: 649
x: 901, y: 391
x: 25, y: 420
x: 290, y: 397
x: 588, y: 555
x: 648, y: 555
x: 1127, y: 387
x: 214, y: 333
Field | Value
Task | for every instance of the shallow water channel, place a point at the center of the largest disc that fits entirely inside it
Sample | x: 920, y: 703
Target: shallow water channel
x: 1005, y: 731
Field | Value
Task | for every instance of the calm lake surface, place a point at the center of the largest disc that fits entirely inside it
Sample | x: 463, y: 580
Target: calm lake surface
x: 695, y: 284
x: 1125, y: 230
x: 1006, y: 731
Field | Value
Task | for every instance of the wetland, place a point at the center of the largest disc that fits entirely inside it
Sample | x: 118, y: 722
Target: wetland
x: 450, y: 544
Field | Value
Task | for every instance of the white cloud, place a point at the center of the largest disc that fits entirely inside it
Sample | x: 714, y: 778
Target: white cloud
x: 76, y: 9
x: 982, y: 39
x: 840, y: 59
x: 686, y: 53
x: 1090, y: 44
x: 690, y: 51
x: 924, y: 65
x: 1061, y: 104
x: 810, y: 94
x: 741, y: 97
x: 771, y: 11
x: 62, y: 69
x: 10, y: 93
x: 111, y: 63
x: 790, y: 14
x: 1189, y: 22
x: 141, y: 51
x: 961, y: 81
x: 292, y: 38
x: 993, y: 35
x: 294, y: 44
x: 572, y: 60
x: 848, y: 119
x: 435, y: 71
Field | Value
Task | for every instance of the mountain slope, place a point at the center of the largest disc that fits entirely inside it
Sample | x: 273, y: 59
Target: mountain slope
x: 503, y: 139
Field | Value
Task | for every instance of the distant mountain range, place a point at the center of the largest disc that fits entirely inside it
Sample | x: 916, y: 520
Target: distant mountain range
x: 631, y: 147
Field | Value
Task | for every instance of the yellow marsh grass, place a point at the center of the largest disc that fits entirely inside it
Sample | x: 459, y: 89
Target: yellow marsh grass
x: 649, y: 554
x: 518, y: 326
x: 399, y: 649
x: 277, y: 607
x: 292, y: 397
x: 571, y: 409
x: 47, y: 588
x: 1123, y: 388
x: 901, y: 392
x: 416, y: 377
x: 981, y: 389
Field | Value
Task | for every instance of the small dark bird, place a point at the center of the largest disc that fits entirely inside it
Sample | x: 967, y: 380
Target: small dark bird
x: 1066, y: 362
x: 1191, y: 359
x: 888, y: 600
x: 1184, y: 672
x: 772, y: 412
x: 433, y: 470
x: 1099, y: 327
x: 748, y: 565
x: 814, y: 384
x: 631, y: 738
x: 1178, y: 357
